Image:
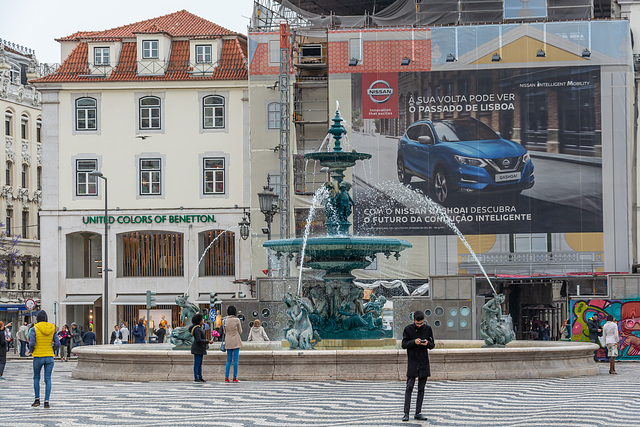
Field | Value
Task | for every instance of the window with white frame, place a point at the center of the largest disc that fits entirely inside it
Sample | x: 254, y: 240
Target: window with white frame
x: 203, y: 54
x: 274, y: 51
x: 24, y: 126
x: 150, y: 175
x: 38, y: 130
x: 150, y: 112
x: 86, y: 185
x: 213, y: 112
x: 149, y: 49
x: 355, y: 49
x: 15, y: 73
x: 213, y: 175
x: 8, y: 123
x: 273, y: 113
x: 86, y: 114
x: 101, y: 56
x: 535, y: 242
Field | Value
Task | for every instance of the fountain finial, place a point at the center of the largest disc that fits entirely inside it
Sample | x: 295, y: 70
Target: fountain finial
x: 336, y: 129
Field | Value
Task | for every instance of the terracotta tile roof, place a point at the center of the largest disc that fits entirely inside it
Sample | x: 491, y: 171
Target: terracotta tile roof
x: 232, y: 65
x: 177, y: 24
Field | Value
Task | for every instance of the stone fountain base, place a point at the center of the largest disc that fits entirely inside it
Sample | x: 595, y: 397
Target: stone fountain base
x: 450, y: 360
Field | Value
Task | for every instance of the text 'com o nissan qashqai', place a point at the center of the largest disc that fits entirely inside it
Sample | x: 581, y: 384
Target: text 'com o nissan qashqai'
x: 462, y: 155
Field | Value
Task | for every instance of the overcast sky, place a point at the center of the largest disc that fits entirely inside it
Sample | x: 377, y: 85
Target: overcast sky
x: 36, y: 23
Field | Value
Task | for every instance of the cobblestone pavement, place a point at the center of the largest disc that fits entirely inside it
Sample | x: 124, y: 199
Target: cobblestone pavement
x: 605, y: 400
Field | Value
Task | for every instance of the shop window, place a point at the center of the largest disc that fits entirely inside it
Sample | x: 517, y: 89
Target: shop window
x: 149, y: 254
x: 84, y: 255
x: 220, y: 259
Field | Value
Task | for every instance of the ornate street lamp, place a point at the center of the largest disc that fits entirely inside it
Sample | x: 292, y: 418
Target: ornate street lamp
x: 244, y: 226
x: 268, y: 206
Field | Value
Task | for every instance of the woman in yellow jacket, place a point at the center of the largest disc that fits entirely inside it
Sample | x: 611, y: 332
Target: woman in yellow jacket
x: 43, y: 340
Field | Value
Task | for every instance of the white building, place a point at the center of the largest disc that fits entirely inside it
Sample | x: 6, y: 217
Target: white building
x: 160, y: 108
x: 21, y: 195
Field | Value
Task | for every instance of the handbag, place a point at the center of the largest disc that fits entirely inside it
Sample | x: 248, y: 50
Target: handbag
x: 222, y: 347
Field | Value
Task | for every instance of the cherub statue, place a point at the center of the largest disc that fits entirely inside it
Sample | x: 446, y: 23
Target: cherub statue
x: 180, y: 336
x: 344, y: 202
x: 492, y: 330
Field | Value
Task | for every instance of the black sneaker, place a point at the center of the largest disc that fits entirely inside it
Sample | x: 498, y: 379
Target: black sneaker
x: 46, y: 405
x: 202, y: 380
x: 36, y: 403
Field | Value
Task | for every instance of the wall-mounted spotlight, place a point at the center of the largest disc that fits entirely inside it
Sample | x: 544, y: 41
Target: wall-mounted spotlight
x: 450, y: 58
x: 275, y: 85
x: 541, y: 54
x: 586, y: 53
x: 353, y: 62
x: 405, y: 61
x: 495, y: 57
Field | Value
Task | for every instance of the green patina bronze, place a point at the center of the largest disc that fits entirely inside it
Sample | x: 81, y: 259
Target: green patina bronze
x: 492, y: 330
x: 337, y: 310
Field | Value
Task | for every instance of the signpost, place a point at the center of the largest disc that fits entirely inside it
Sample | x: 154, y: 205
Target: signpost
x: 54, y: 310
x: 151, y: 302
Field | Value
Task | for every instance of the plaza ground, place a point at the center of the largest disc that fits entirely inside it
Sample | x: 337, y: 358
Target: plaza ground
x: 604, y: 400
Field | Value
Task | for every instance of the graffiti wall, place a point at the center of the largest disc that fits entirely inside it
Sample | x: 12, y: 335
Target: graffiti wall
x: 625, y: 312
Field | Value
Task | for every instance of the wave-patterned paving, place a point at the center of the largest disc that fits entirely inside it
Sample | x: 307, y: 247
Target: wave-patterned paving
x: 605, y: 400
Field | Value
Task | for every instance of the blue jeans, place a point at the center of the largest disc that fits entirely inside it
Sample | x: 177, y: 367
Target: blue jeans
x: 38, y: 363
x: 197, y: 366
x: 23, y: 348
x: 232, y: 355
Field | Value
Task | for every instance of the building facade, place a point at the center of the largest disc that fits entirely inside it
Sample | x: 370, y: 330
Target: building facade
x: 160, y: 109
x: 21, y: 195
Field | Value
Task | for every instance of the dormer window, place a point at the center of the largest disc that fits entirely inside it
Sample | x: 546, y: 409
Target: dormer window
x: 150, y: 49
x: 203, y: 54
x: 101, y: 56
x: 15, y: 73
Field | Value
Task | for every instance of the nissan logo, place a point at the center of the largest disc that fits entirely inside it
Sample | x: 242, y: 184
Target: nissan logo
x: 380, y: 91
x: 506, y: 163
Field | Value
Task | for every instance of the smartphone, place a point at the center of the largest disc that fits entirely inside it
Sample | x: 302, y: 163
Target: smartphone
x: 423, y: 340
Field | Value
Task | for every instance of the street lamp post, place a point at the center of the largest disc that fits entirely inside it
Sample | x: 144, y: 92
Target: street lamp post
x: 105, y: 266
x: 269, y: 207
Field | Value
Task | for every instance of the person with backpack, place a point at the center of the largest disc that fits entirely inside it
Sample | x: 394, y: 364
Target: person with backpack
x: 139, y: 332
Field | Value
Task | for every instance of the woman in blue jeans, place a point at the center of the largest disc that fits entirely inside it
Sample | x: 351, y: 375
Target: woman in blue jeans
x: 43, y: 340
x: 232, y: 341
x: 198, y: 347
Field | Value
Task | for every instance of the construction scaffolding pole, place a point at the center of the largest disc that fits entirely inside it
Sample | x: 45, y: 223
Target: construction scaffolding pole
x: 285, y: 133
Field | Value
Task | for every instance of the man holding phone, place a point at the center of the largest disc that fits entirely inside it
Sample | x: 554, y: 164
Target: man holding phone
x: 417, y: 339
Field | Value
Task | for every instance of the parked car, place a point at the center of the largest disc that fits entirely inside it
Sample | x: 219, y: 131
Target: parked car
x: 462, y: 156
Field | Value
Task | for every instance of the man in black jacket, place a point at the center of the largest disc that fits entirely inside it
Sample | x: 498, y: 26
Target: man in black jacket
x: 417, y: 338
x: 594, y: 332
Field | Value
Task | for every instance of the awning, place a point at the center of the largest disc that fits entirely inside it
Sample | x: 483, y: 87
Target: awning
x: 141, y: 299
x: 80, y: 299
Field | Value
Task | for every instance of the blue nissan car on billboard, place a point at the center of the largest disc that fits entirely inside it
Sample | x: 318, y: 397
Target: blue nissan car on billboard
x: 462, y: 156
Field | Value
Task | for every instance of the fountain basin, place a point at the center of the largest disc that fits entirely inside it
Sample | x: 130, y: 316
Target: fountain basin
x: 450, y: 360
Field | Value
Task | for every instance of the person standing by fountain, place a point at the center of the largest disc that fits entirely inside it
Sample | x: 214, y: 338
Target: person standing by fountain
x: 257, y: 332
x: 417, y: 339
x: 199, y: 346
x: 139, y: 332
x: 594, y: 332
x: 611, y: 340
x: 232, y: 341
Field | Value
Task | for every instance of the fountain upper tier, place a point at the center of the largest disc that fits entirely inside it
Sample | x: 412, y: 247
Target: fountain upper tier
x: 338, y: 253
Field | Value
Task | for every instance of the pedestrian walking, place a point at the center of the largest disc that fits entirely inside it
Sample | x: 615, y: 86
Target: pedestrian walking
x: 594, y: 332
x: 139, y: 332
x: 125, y: 333
x: 116, y: 335
x: 42, y: 342
x: 160, y: 333
x: 198, y: 347
x: 417, y: 339
x: 23, y: 339
x: 232, y: 328
x: 257, y: 333
x: 565, y: 331
x: 64, y: 338
x: 612, y: 341
x: 89, y: 338
x: 3, y: 349
x: 545, y: 332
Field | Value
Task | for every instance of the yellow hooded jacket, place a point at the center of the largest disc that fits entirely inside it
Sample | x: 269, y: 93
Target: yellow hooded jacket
x: 44, y: 339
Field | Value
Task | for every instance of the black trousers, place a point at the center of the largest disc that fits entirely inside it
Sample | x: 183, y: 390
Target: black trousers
x: 3, y: 362
x: 422, y: 382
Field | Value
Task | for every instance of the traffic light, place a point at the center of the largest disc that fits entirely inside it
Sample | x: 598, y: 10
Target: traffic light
x: 151, y: 299
x: 213, y: 299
